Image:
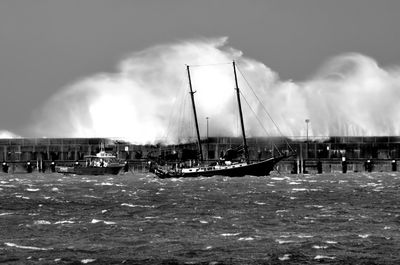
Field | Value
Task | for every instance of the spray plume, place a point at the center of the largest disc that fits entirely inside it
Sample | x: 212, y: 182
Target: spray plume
x: 7, y: 135
x: 350, y: 95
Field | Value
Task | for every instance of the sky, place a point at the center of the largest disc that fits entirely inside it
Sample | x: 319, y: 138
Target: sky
x: 47, y: 47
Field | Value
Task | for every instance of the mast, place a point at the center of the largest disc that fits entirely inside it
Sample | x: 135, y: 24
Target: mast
x: 195, y: 114
x: 246, y: 151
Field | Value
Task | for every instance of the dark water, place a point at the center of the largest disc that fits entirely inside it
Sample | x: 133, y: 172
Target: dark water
x: 139, y: 219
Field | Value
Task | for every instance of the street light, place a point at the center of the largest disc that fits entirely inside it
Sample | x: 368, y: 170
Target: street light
x: 208, y: 145
x: 307, y: 121
x: 207, y: 118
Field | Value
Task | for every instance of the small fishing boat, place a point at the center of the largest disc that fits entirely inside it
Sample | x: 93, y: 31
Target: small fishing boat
x: 222, y: 168
x: 102, y: 163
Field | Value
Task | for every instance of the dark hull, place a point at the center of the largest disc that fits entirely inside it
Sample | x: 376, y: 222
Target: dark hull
x: 262, y: 168
x: 113, y: 170
x: 98, y: 170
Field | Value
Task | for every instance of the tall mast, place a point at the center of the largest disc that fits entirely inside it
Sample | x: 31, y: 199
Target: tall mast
x: 195, y: 114
x: 246, y: 151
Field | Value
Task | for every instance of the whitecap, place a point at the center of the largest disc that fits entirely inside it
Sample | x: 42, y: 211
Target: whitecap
x: 299, y: 189
x: 25, y: 198
x: 319, y: 247
x: 85, y: 261
x: 104, y: 184
x: 203, y: 222
x: 55, y: 189
x: 279, y: 241
x: 95, y: 221
x: 246, y: 239
x: 304, y: 236
x: 260, y: 203
x: 323, y: 257
x: 364, y: 236
x: 91, y: 196
x: 294, y: 183
x: 330, y: 242
x: 25, y: 247
x: 230, y: 234
x: 42, y: 222
x: 276, y: 178
x: 326, y: 215
x: 284, y: 257
x: 64, y: 222
x: 30, y: 189
x: 8, y: 186
x: 309, y: 218
x: 176, y: 179
x: 3, y: 214
x: 136, y: 205
x: 314, y: 205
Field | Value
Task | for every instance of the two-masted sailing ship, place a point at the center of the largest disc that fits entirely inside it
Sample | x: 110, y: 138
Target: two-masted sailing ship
x: 221, y: 168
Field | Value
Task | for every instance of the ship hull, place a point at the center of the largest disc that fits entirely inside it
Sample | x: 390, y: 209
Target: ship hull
x: 98, y: 170
x: 113, y: 170
x: 262, y: 168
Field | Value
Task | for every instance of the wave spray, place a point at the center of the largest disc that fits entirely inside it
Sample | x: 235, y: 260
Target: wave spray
x: 350, y: 95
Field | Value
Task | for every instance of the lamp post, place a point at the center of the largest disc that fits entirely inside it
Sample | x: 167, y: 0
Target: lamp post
x: 208, y: 145
x: 307, y: 121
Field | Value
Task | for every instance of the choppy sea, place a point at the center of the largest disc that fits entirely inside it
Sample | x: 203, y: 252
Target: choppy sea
x: 140, y: 219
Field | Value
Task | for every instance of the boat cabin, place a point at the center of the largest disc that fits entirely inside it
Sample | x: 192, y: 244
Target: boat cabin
x: 101, y: 159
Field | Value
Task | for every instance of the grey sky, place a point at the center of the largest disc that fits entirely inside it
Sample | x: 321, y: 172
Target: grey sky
x: 46, y: 45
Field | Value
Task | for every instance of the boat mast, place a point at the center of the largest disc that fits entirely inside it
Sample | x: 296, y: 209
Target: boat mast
x: 246, y: 151
x: 195, y: 114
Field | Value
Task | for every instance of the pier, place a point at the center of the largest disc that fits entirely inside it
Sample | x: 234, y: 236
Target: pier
x: 315, y: 155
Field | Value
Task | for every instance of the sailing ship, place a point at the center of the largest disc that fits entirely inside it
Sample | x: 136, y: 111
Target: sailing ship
x: 102, y: 163
x: 221, y: 168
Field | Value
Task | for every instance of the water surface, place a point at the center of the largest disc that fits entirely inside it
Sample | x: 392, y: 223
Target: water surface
x: 140, y: 219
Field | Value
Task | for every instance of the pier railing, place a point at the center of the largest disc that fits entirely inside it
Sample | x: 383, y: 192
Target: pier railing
x: 328, y: 148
